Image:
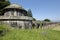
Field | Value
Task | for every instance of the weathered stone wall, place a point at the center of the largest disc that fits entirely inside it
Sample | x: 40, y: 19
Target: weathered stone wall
x: 49, y: 25
x: 36, y: 24
x: 13, y: 13
x: 16, y: 17
x: 18, y: 24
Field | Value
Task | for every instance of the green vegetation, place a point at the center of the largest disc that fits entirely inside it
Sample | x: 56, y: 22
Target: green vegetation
x: 47, y: 20
x: 56, y: 28
x: 4, y: 29
x: 3, y: 4
x: 29, y: 12
x: 34, y: 19
x: 33, y: 34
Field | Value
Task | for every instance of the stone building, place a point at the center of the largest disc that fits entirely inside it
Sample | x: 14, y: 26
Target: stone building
x: 16, y: 16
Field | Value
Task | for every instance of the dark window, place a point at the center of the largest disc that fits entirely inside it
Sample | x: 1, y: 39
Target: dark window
x: 20, y: 14
x: 14, y: 24
x: 12, y: 13
x: 26, y: 25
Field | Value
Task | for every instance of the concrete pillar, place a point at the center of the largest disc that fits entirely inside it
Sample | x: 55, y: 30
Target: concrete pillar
x: 19, y: 13
x: 15, y: 13
x: 30, y: 25
x: 23, y: 25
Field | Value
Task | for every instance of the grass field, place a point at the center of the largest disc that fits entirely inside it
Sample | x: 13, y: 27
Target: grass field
x: 57, y: 28
x: 34, y: 34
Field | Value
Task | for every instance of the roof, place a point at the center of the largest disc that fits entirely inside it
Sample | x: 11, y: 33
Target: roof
x: 14, y: 6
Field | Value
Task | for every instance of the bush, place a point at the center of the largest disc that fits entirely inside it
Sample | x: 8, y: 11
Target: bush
x: 4, y: 29
x: 47, y: 20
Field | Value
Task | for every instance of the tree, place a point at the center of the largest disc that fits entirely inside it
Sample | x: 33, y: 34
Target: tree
x: 47, y: 20
x: 34, y: 19
x: 3, y: 4
x: 29, y: 13
x: 2, y: 0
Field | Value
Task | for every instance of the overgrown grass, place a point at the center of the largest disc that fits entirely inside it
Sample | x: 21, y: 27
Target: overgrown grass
x: 34, y: 34
x: 4, y: 29
x: 56, y: 28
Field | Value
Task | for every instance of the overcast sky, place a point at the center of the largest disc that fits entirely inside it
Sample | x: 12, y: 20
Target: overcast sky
x: 41, y: 9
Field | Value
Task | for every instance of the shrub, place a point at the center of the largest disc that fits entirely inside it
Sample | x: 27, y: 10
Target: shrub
x: 4, y: 29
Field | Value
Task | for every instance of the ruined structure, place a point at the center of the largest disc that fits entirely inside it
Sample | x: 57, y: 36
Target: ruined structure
x: 16, y: 16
